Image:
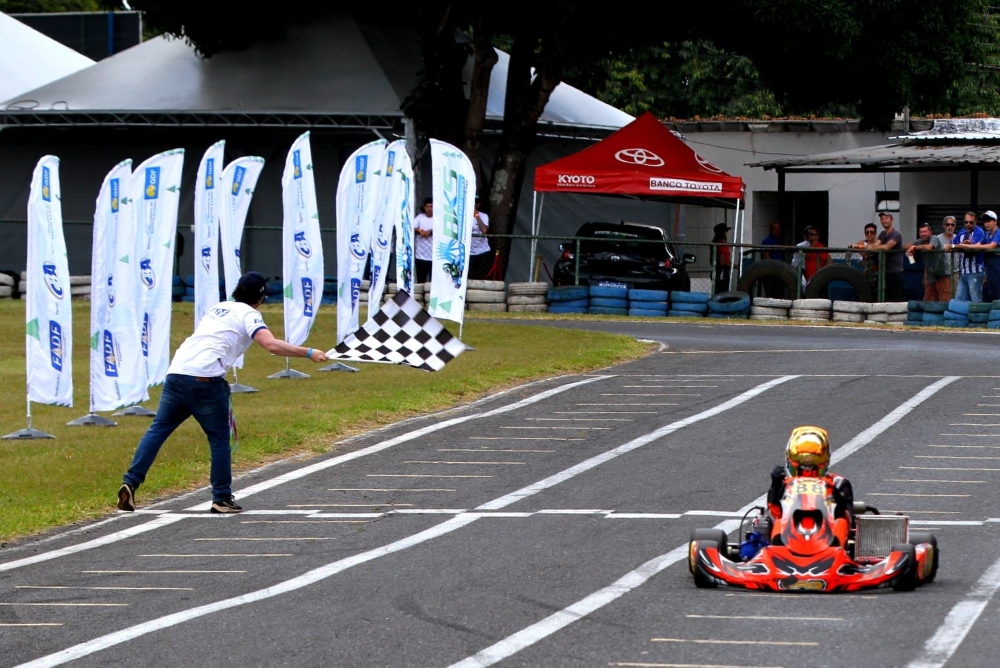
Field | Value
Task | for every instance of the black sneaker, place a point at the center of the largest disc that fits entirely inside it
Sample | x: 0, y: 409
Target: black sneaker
x: 226, y: 506
x: 126, y: 498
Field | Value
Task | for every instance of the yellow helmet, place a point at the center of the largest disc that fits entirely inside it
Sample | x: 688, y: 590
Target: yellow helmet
x: 808, y: 452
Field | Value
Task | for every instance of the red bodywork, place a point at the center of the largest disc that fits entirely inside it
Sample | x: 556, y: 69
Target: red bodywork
x: 808, y: 557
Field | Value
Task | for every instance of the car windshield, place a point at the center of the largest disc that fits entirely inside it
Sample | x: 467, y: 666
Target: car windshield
x: 623, y: 239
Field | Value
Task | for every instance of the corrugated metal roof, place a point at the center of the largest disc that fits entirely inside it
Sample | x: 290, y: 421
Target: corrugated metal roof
x: 892, y: 155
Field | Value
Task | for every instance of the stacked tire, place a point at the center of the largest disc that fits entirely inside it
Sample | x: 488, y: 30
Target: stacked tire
x: 6, y: 286
x: 810, y: 309
x: 849, y: 311
x: 729, y: 305
x: 188, y: 295
x: 608, y: 300
x: 933, y: 313
x: 486, y: 296
x: 79, y: 286
x: 527, y: 297
x: 568, y: 299
x: 876, y: 314
x: 957, y: 314
x: 896, y: 313
x: 994, y: 319
x: 329, y: 290
x: 688, y: 304
x: 770, y: 308
x: 648, y: 303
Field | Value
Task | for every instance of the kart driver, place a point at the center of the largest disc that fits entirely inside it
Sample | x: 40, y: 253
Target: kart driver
x: 807, y: 455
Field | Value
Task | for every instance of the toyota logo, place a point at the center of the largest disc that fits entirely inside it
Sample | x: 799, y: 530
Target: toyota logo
x: 639, y: 156
x: 616, y: 258
x: 706, y: 164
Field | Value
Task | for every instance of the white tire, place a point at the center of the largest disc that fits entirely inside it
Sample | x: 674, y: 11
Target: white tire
x: 768, y: 311
x: 896, y: 317
x: 877, y: 308
x: 877, y: 317
x: 77, y: 290
x: 486, y: 285
x: 896, y: 308
x: 79, y: 280
x: 6, y: 291
x: 812, y: 304
x: 771, y: 318
x: 771, y: 302
x: 486, y: 307
x: 6, y: 280
x: 808, y: 314
x: 848, y: 317
x: 537, y: 288
x: 850, y: 307
x: 527, y: 308
x: 24, y: 275
x: 22, y: 287
x: 485, y: 297
x: 366, y: 285
x: 518, y: 300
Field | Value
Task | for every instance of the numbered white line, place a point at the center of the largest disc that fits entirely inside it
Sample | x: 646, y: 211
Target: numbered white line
x: 166, y: 572
x: 524, y: 438
x: 944, y: 468
x: 105, y: 588
x: 421, y: 475
x: 218, y: 556
x: 954, y: 457
x: 497, y: 449
x: 768, y: 618
x: 453, y: 463
x: 710, y: 641
x: 956, y: 496
x: 963, y: 482
x: 64, y: 605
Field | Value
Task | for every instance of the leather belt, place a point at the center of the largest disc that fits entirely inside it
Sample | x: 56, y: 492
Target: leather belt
x: 203, y: 379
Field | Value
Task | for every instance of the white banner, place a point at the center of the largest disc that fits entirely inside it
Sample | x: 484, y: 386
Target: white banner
x: 156, y: 190
x: 386, y: 213
x: 117, y: 371
x: 454, y: 191
x: 357, y: 198
x: 402, y: 187
x: 48, y: 315
x: 302, y: 247
x: 206, y: 231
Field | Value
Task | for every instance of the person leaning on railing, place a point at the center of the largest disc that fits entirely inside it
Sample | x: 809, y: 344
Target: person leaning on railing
x: 937, y: 277
x: 991, y: 262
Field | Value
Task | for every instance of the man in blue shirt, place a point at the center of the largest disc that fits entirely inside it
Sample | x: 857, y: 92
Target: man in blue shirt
x: 773, y: 238
x: 970, y: 280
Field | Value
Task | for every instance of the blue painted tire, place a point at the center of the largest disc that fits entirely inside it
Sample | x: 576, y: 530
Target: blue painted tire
x: 607, y: 292
x: 958, y: 306
x: 932, y: 317
x: 677, y: 296
x: 605, y: 310
x: 608, y: 302
x: 979, y: 318
x: 994, y: 315
x: 561, y: 308
x: 683, y: 314
x: 993, y: 324
x: 980, y: 307
x: 729, y: 302
x: 955, y: 323
x: 935, y: 307
x: 690, y: 307
x: 576, y: 303
x: 568, y: 293
x: 638, y: 295
x: 648, y: 313
x: 654, y: 306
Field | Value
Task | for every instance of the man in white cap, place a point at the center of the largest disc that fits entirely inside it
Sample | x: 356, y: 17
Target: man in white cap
x: 991, y: 261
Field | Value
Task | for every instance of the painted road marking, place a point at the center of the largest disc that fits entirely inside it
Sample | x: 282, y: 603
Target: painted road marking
x: 220, y: 556
x: 496, y: 449
x: 989, y: 447
x: 632, y: 664
x: 344, y: 505
x: 632, y: 404
x: 105, y: 588
x: 944, y: 468
x: 972, y: 482
x: 5, y: 624
x: 660, y: 394
x: 65, y: 605
x: 605, y: 412
x: 237, y: 538
x: 962, y: 496
x: 389, y: 489
x: 421, y: 475
x: 768, y: 618
x: 171, y: 572
x: 974, y: 424
x: 522, y: 438
x: 306, y: 522
x: 454, y: 463
x: 953, y: 457
x: 537, y: 419
x: 708, y: 641
x: 959, y: 621
x: 976, y: 435
x: 675, y: 387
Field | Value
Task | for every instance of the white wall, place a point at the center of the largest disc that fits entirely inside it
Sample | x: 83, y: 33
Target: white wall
x: 917, y: 188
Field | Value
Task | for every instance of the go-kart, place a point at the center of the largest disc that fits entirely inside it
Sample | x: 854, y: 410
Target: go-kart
x: 803, y: 554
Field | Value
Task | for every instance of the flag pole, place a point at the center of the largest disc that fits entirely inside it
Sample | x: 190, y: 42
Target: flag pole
x: 236, y: 388
x: 29, y: 433
x: 289, y: 372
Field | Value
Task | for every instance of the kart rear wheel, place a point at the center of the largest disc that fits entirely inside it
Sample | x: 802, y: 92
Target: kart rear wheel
x: 927, y: 537
x: 907, y: 581
x: 717, y: 536
x: 702, y: 581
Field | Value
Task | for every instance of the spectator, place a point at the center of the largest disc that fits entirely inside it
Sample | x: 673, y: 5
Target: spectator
x: 950, y: 260
x: 991, y: 261
x: 971, y: 269
x: 810, y: 261
x: 937, y: 279
x: 423, y: 248
x: 773, y: 238
x: 723, y: 258
x: 891, y: 241
x: 480, y: 257
x: 869, y: 260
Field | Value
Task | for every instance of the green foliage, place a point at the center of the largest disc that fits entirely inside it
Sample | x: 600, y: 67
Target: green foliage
x: 49, y: 6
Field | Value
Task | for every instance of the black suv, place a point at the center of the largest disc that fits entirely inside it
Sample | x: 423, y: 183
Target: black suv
x: 641, y: 256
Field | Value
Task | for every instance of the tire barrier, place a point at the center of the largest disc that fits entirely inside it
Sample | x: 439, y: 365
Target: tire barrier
x: 678, y: 297
x: 648, y: 295
x: 609, y: 292
x: 568, y: 293
x: 651, y: 313
x: 563, y: 308
x: 606, y: 310
x: 769, y: 278
x: 689, y: 307
x: 819, y: 285
x: 608, y: 302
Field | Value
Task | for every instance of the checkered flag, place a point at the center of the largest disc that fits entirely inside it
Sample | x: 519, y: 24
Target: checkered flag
x: 402, y: 332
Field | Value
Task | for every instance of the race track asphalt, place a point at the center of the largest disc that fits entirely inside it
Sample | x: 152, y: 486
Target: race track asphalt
x: 548, y: 525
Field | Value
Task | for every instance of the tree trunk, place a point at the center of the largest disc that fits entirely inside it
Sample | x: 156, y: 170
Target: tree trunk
x: 485, y: 58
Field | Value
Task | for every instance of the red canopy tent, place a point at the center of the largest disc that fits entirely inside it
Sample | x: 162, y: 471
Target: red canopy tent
x: 644, y: 160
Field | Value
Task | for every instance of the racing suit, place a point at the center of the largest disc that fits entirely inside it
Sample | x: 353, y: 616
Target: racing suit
x: 839, y: 486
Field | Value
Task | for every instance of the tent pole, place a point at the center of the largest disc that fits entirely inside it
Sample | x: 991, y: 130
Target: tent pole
x: 739, y: 233
x: 536, y: 212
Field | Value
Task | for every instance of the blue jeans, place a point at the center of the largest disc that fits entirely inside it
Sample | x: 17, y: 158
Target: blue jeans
x: 183, y: 397
x: 970, y: 287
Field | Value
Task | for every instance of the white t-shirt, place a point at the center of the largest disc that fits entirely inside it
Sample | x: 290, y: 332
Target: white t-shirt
x: 224, y: 333
x: 480, y: 244
x: 423, y: 248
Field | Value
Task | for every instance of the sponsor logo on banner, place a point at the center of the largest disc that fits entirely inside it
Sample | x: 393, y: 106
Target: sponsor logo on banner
x: 453, y: 250
x: 296, y: 164
x: 56, y: 345
x: 236, y: 251
x: 307, y: 297
x: 238, y: 175
x: 210, y: 174
x: 51, y: 276
x: 706, y: 164
x: 206, y: 257
x: 145, y: 335
x: 152, y: 187
x: 357, y: 250
x: 110, y: 356
x: 46, y: 184
x: 391, y: 162
x: 146, y: 273
x: 578, y: 180
x: 360, y: 168
x: 355, y: 290
x: 115, y: 195
x: 639, y: 156
x: 302, y: 245
x: 111, y: 290
x: 684, y: 185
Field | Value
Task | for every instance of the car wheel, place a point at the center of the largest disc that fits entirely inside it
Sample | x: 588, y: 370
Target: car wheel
x: 907, y: 581
x: 927, y: 537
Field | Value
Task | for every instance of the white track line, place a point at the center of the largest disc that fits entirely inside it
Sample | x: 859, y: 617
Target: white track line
x: 959, y: 621
x: 125, y: 635
x: 546, y: 627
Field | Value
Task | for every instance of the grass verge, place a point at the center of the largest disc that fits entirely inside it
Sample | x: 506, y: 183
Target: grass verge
x: 46, y: 483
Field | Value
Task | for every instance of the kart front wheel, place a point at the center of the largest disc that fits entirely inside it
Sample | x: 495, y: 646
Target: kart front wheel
x: 700, y: 536
x: 927, y: 537
x: 702, y: 581
x: 907, y: 580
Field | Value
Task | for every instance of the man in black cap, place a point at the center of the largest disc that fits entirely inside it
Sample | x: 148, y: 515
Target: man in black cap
x: 196, y: 386
x: 723, y: 258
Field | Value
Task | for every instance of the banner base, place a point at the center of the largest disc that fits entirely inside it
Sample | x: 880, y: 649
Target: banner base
x: 289, y: 373
x: 92, y: 419
x: 26, y: 435
x: 137, y: 411
x: 238, y: 388
x: 338, y: 366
